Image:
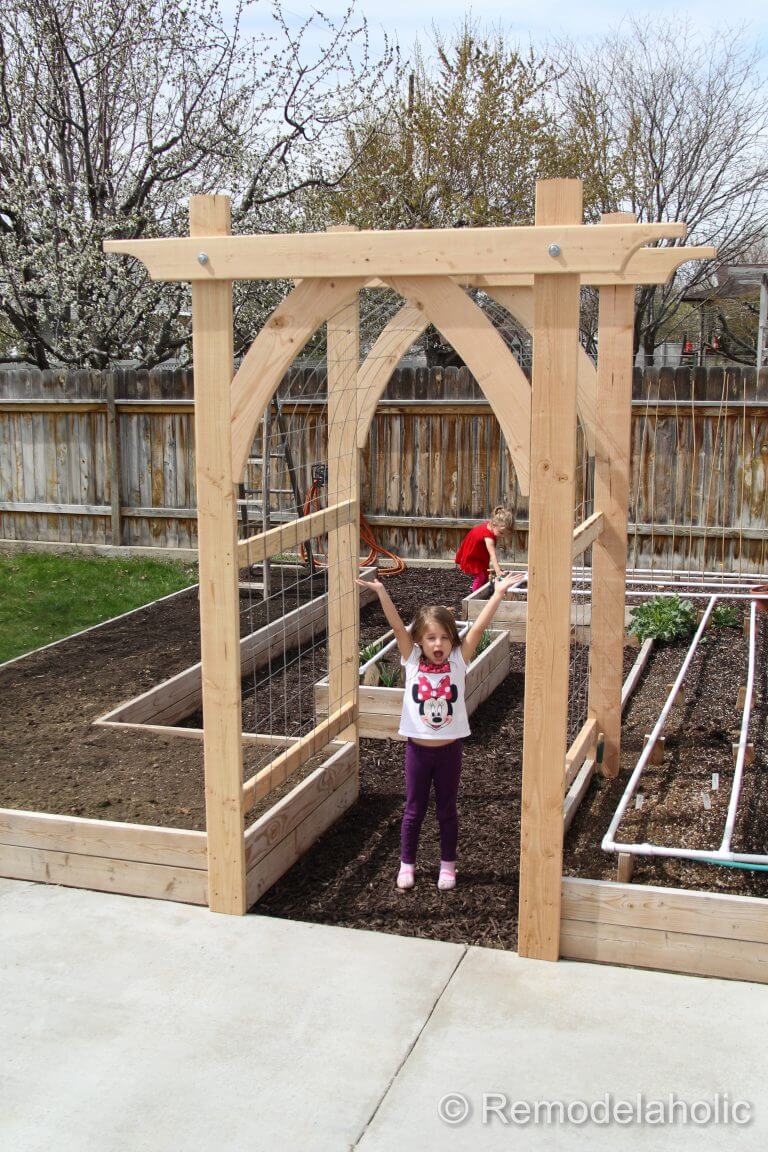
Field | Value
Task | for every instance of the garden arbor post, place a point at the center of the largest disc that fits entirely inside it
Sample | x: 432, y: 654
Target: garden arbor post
x: 343, y: 485
x: 219, y: 594
x: 613, y: 433
x: 550, y: 539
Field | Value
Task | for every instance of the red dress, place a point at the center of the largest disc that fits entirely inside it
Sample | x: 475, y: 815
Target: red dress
x: 473, y: 556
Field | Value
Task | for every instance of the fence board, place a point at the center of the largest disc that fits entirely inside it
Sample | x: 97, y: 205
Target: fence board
x: 699, y: 486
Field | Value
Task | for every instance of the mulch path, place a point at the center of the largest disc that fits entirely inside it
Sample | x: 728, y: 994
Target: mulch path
x: 53, y: 760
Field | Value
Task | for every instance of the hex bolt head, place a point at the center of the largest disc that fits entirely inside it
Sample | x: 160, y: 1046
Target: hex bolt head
x: 554, y: 250
x: 202, y: 257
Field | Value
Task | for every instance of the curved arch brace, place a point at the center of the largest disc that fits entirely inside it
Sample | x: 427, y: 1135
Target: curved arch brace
x: 519, y: 303
x: 376, y: 370
x: 408, y: 325
x: 463, y: 325
x: 281, y: 339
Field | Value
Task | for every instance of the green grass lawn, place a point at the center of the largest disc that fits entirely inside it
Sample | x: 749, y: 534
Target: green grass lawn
x: 44, y: 596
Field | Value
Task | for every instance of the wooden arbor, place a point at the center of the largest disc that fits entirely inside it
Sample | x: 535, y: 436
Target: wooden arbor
x: 537, y: 273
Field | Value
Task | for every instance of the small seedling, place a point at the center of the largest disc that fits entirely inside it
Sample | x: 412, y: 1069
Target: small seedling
x: 485, y: 642
x: 664, y: 618
x: 726, y: 616
x: 369, y: 651
x: 389, y: 677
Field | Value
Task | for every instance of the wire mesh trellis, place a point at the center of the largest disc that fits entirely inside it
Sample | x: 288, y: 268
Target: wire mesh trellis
x: 286, y: 478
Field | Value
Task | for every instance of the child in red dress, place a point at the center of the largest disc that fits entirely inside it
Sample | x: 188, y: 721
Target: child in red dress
x: 477, y: 552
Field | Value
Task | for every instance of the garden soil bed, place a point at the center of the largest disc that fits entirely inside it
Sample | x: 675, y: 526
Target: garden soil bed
x: 699, y: 735
x: 53, y: 760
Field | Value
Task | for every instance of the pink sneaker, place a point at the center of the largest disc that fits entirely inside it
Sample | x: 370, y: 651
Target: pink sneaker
x: 405, y: 877
x: 447, y: 878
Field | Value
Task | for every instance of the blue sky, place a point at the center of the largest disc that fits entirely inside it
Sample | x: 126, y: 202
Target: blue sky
x: 536, y: 20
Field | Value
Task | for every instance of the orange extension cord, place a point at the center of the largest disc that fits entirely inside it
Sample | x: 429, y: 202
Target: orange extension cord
x: 312, y: 504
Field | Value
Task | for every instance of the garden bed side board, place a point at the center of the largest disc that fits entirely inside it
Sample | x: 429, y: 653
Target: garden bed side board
x: 104, y: 855
x: 171, y: 863
x: 672, y: 929
x: 513, y: 615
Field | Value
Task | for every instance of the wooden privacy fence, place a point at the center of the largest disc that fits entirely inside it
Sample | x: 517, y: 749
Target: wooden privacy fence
x: 98, y: 457
x: 108, y: 458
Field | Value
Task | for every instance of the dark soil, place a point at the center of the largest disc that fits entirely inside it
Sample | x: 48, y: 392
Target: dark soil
x: 53, y: 760
x: 347, y: 878
x: 699, y: 736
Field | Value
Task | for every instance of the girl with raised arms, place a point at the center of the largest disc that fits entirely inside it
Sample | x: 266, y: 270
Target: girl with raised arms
x: 434, y: 720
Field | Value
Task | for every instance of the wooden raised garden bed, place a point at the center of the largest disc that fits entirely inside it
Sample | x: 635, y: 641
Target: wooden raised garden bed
x: 172, y: 863
x: 512, y: 614
x: 161, y: 708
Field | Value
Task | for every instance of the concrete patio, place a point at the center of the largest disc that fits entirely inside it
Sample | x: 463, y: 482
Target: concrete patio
x: 139, y: 1026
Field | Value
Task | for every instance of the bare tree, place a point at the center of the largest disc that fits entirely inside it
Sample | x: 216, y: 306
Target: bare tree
x: 112, y: 112
x: 671, y: 127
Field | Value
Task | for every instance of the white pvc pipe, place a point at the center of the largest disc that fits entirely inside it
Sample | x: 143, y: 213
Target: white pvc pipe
x: 714, y: 855
x: 609, y: 843
x: 682, y: 574
x: 738, y: 774
x: 584, y: 577
x: 727, y: 595
x: 723, y: 854
x: 719, y: 584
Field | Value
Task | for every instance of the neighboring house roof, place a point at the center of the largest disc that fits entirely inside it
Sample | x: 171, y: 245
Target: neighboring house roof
x: 733, y: 281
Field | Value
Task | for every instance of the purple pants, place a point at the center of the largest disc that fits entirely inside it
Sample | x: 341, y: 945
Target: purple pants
x: 423, y: 767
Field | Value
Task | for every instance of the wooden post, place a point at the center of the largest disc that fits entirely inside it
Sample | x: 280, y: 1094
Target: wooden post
x: 550, y: 541
x: 266, y: 479
x: 113, y: 458
x: 613, y: 432
x: 343, y: 484
x: 219, y: 596
x: 659, y: 748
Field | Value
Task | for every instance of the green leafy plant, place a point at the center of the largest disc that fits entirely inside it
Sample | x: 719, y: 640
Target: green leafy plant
x: 370, y: 651
x: 726, y: 616
x: 664, y: 618
x: 389, y: 676
x: 485, y: 642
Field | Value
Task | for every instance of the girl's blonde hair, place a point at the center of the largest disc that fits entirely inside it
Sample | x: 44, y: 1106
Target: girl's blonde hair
x: 503, y: 519
x: 435, y: 614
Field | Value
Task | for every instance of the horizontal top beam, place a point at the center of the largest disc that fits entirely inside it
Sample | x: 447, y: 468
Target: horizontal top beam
x: 422, y: 252
x: 647, y: 266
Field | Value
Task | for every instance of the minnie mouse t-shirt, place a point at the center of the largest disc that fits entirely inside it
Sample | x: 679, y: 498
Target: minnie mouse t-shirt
x: 433, y: 702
